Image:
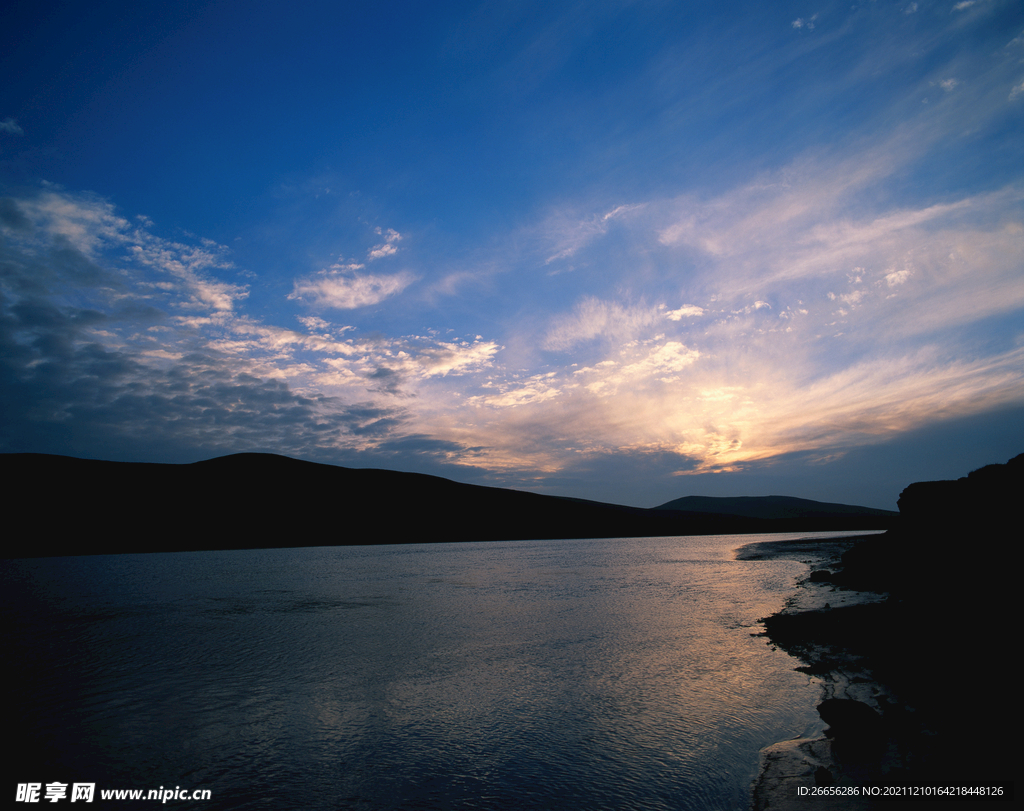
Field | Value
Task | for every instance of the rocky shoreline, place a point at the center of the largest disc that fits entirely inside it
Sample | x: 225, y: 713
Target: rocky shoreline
x: 907, y: 633
x: 787, y: 766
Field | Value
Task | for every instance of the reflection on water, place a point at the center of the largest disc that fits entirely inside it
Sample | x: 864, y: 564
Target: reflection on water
x: 535, y: 674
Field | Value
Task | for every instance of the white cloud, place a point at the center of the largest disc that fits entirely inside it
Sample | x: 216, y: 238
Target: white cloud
x: 440, y: 358
x: 11, y: 126
x: 342, y: 291
x: 188, y: 263
x: 282, y: 342
x: 898, y: 277
x: 386, y: 248
x: 311, y: 323
x: 852, y: 299
x: 381, y: 251
x: 686, y: 311
x: 536, y: 389
x: 659, y: 363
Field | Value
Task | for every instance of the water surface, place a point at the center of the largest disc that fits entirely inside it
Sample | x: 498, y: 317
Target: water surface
x: 614, y: 673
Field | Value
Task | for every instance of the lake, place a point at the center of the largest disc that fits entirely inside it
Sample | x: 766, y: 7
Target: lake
x: 619, y: 673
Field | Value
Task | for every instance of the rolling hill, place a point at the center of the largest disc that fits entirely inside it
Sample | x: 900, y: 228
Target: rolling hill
x: 254, y: 500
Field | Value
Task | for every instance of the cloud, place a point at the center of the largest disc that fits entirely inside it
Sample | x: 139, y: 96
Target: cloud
x: 117, y: 343
x: 345, y: 291
x: 570, y: 234
x: 595, y: 319
x: 311, y: 322
x: 87, y: 227
x: 535, y: 389
x: 386, y: 248
x: 660, y: 363
x: 9, y: 125
x: 188, y: 263
x: 898, y: 277
x: 381, y: 251
x: 84, y: 382
x: 427, y: 358
x: 766, y: 363
x: 686, y: 311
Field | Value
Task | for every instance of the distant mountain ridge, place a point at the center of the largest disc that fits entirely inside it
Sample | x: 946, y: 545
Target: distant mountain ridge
x: 770, y: 507
x: 259, y: 501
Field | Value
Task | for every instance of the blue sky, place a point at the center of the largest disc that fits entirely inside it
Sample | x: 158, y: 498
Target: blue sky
x: 618, y: 250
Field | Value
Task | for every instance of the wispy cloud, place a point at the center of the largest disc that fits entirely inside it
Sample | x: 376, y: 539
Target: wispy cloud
x: 659, y: 362
x: 815, y: 323
x: 343, y: 290
x: 571, y: 234
x: 90, y: 227
x: 594, y: 319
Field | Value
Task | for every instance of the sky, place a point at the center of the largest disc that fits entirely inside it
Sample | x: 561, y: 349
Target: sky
x: 625, y: 251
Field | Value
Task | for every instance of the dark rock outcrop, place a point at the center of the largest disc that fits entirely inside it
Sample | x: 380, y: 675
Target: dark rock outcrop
x: 952, y: 539
x: 941, y: 642
x: 854, y: 727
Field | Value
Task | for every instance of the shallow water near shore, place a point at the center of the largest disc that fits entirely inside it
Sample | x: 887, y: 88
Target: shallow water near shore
x: 603, y: 673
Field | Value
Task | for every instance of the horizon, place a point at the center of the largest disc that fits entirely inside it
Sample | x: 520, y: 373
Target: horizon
x: 627, y: 252
x: 331, y: 464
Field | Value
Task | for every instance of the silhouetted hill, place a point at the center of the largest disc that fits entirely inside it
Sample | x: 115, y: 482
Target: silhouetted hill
x: 775, y: 508
x: 254, y: 500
